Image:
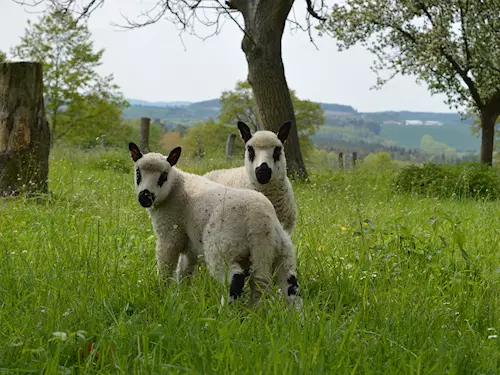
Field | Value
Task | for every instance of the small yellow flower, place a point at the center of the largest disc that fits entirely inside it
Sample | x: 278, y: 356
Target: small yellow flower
x: 343, y: 228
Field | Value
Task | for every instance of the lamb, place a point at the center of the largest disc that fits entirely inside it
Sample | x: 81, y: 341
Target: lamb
x: 264, y: 171
x: 234, y: 229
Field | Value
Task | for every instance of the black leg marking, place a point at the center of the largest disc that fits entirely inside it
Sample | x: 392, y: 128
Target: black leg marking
x: 293, y: 286
x: 236, y: 287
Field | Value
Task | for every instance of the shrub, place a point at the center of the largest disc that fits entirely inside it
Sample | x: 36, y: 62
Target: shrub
x: 464, y: 180
x: 117, y: 161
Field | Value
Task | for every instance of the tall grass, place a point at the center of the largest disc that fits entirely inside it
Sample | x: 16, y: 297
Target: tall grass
x: 392, y: 284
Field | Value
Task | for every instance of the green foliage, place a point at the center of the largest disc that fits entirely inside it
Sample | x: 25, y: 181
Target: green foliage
x: 430, y: 146
x: 464, y: 180
x: 239, y: 105
x: 392, y: 284
x: 378, y: 161
x: 116, y: 161
x: 450, y: 45
x: 3, y: 57
x: 210, y: 139
x: 79, y: 102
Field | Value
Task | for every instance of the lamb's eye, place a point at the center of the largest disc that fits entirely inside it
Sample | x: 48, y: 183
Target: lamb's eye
x: 163, y: 178
x: 138, y: 176
x: 251, y: 153
x: 276, y: 154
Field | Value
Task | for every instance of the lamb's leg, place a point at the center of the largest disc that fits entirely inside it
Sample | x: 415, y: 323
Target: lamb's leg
x: 167, y: 257
x: 287, y: 279
x: 187, y: 264
x: 237, y: 277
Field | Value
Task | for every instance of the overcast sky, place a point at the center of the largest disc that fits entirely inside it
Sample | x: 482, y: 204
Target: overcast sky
x: 154, y: 64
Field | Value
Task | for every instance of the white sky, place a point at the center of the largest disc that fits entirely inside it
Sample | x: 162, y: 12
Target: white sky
x: 153, y: 64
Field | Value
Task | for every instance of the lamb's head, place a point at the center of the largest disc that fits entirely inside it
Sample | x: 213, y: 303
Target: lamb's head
x: 152, y: 174
x: 264, y: 155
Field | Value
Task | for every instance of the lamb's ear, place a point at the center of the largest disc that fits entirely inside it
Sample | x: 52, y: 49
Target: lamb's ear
x: 134, y: 151
x: 284, y: 131
x: 244, y: 131
x: 174, y: 156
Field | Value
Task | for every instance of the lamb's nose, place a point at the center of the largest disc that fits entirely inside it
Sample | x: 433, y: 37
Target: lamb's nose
x: 263, y: 173
x: 146, y: 198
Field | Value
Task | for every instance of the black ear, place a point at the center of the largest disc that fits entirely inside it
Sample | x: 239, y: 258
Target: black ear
x: 134, y: 151
x: 244, y: 131
x: 174, y: 156
x: 284, y: 131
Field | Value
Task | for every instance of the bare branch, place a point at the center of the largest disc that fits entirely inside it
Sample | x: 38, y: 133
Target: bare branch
x: 468, y: 59
x: 313, y: 13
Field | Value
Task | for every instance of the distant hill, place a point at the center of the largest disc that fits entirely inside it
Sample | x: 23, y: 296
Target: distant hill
x: 388, y: 125
x: 157, y: 104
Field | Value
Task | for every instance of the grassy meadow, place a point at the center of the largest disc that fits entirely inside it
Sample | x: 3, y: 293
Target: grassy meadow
x: 392, y: 284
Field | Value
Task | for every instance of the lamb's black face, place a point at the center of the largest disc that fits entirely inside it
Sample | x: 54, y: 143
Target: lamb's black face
x: 264, y: 157
x: 152, y: 175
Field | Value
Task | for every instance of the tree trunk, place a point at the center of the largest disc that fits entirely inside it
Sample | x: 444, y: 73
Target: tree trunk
x: 24, y: 130
x: 488, y: 116
x: 145, y: 134
x: 264, y: 25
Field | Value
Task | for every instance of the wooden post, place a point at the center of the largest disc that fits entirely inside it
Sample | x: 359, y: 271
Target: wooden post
x: 24, y: 130
x: 341, y: 160
x: 354, y: 159
x: 145, y: 134
x: 102, y: 140
x: 230, y: 145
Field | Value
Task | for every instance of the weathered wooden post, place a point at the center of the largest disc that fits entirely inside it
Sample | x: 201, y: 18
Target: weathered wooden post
x: 341, y: 160
x: 145, y: 134
x: 230, y: 145
x: 354, y: 159
x: 24, y: 130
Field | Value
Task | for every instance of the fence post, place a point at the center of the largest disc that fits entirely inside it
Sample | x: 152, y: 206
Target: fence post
x: 341, y: 160
x: 102, y: 140
x: 145, y: 134
x: 230, y: 144
x: 354, y: 158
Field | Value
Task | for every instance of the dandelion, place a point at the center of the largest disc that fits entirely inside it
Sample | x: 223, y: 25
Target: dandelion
x: 343, y: 228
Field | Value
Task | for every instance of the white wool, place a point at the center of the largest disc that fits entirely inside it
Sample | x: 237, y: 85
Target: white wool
x: 278, y: 190
x: 233, y: 229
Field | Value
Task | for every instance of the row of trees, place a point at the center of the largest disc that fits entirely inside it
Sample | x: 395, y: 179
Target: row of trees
x: 452, y: 45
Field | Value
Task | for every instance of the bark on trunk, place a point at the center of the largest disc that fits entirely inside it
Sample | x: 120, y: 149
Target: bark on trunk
x: 264, y: 25
x: 24, y: 130
x: 487, y: 136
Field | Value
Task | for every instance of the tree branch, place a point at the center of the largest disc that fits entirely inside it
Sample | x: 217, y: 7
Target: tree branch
x: 456, y: 66
x: 313, y: 13
x: 463, y: 11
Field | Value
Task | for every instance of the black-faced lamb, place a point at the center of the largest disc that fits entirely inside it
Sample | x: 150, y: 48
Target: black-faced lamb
x: 234, y: 229
x: 264, y: 171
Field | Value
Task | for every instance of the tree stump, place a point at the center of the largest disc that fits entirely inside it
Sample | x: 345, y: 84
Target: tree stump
x: 145, y: 134
x: 24, y: 130
x: 230, y: 144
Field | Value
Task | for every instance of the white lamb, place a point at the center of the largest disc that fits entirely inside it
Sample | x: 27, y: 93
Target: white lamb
x: 233, y: 229
x: 264, y: 171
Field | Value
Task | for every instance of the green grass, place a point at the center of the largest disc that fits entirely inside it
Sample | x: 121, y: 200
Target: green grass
x: 392, y: 284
